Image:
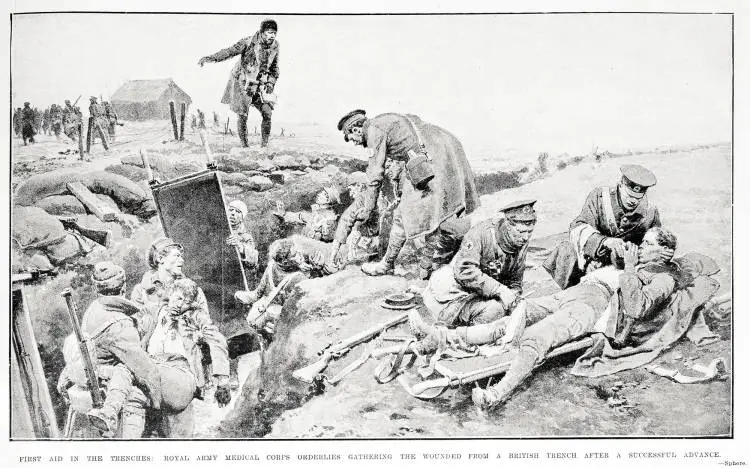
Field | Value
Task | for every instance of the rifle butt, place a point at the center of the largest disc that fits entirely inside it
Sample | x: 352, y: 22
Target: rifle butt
x: 308, y: 373
x: 101, y: 237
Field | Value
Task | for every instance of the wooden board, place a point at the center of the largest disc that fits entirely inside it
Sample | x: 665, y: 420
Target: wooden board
x: 193, y: 213
x: 32, y: 413
x: 91, y: 202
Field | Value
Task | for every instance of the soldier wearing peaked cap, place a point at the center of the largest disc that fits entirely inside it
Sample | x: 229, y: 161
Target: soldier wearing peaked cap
x: 483, y: 282
x: 440, y: 192
x: 611, y: 216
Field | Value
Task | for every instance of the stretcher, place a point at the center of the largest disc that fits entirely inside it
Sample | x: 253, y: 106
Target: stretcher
x: 454, y: 372
x: 192, y: 211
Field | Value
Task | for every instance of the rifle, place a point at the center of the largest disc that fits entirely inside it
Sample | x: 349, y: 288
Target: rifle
x: 83, y: 344
x: 77, y: 99
x: 100, y: 236
x: 341, y: 347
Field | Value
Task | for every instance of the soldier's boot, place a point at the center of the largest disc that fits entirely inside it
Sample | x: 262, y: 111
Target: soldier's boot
x: 242, y: 129
x: 103, y: 419
x: 430, y: 338
x: 265, y: 132
x: 134, y: 415
x: 385, y: 266
x: 499, y: 393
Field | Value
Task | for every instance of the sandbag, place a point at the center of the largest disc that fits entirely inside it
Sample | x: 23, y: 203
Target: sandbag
x: 32, y: 227
x: 29, y: 260
x: 134, y: 173
x: 62, y: 205
x: 128, y: 195
x: 108, y: 202
x: 70, y: 247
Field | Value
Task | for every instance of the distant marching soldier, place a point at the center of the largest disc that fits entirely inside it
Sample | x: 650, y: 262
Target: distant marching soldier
x: 111, y: 119
x: 27, y: 123
x: 17, y: 122
x: 72, y: 119
x: 56, y: 120
x: 46, y: 122
x: 98, y: 115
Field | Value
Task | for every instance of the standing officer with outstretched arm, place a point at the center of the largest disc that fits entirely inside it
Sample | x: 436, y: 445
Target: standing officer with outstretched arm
x: 253, y: 78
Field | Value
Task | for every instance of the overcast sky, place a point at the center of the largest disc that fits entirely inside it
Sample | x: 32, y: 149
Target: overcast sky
x: 562, y: 82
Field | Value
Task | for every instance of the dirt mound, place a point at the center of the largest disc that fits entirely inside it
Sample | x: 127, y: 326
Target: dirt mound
x: 316, y: 314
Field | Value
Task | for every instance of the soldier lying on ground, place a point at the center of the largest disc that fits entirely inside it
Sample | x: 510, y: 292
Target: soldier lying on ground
x: 644, y: 286
x: 320, y: 222
x: 184, y: 327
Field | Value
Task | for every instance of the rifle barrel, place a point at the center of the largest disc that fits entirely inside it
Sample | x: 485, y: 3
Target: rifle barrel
x: 72, y: 312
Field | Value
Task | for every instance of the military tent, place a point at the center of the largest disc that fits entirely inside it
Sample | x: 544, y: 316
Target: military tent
x: 148, y: 99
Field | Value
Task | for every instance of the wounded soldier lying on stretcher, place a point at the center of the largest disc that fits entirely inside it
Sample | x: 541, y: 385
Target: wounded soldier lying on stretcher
x: 644, y: 286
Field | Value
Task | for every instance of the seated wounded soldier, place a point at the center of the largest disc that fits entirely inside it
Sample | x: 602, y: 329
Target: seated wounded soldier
x: 240, y: 236
x: 290, y: 261
x: 115, y: 342
x: 644, y: 286
x: 184, y: 327
x: 320, y: 222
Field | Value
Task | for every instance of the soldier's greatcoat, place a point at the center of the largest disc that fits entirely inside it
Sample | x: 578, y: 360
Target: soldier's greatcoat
x: 452, y: 191
x: 602, y: 216
x: 258, y: 65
